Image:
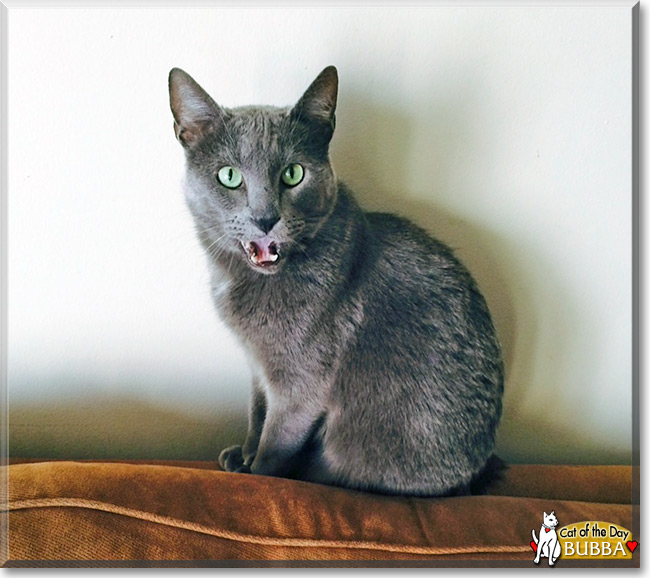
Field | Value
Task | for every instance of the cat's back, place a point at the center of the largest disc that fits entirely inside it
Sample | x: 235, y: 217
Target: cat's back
x: 420, y: 294
x: 423, y: 376
x: 420, y: 271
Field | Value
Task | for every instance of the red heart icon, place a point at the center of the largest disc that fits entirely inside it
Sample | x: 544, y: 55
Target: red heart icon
x: 533, y: 546
x: 548, y: 530
x: 632, y: 545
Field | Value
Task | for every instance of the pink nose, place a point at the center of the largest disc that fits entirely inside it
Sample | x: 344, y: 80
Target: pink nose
x: 262, y: 251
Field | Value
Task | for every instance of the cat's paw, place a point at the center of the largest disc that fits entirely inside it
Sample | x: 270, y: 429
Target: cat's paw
x: 232, y: 459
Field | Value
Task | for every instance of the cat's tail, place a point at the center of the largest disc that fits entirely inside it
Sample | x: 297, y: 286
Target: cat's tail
x: 535, y: 537
x: 492, y: 471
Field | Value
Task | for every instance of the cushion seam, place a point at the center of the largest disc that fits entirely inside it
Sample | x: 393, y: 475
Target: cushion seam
x: 250, y: 538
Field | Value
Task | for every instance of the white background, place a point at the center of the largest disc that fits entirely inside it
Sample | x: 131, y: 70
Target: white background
x: 506, y: 132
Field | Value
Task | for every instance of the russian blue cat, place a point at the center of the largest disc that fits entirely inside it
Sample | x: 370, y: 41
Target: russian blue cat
x: 375, y: 360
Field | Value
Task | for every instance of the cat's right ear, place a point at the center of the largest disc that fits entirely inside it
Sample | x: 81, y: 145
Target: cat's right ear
x: 317, y: 106
x: 195, y: 113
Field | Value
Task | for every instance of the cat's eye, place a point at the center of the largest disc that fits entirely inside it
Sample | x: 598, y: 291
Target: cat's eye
x: 293, y: 174
x: 230, y: 177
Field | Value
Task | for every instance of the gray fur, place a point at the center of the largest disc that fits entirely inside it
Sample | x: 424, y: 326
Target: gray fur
x: 376, y: 364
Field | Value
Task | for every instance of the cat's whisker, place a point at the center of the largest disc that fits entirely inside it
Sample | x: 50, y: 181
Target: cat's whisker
x: 217, y: 251
x: 215, y: 242
x: 230, y: 262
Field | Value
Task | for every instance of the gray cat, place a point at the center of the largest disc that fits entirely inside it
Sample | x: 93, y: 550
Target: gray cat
x: 375, y: 361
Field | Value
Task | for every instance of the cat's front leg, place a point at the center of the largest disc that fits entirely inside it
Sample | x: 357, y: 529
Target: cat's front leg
x: 287, y: 429
x: 553, y: 547
x: 256, y: 416
x: 239, y: 458
x: 232, y: 460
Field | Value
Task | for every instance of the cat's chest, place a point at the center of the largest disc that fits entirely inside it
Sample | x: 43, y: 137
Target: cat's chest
x: 270, y: 316
x: 291, y: 330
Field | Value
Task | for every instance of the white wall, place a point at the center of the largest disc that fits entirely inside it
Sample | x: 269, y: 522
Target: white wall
x: 504, y: 131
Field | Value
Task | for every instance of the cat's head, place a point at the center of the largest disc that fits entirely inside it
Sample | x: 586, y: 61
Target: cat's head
x: 550, y: 520
x: 258, y: 181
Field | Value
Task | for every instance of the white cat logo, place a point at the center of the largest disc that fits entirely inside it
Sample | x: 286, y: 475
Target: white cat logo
x: 548, y: 546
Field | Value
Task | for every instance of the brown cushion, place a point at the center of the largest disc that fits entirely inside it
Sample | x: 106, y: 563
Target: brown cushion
x: 136, y: 511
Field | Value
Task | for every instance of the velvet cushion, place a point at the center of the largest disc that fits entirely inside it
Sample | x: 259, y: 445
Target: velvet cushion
x: 192, y: 511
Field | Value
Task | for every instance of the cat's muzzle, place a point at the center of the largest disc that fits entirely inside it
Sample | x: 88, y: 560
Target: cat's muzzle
x: 262, y: 253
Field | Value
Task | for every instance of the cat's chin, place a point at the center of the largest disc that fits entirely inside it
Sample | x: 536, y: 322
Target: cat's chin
x: 265, y: 268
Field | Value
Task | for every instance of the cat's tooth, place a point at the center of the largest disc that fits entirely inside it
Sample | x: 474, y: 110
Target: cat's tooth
x: 248, y: 247
x: 274, y: 257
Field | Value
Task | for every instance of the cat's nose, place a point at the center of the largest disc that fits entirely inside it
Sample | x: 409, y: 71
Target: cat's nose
x: 266, y: 223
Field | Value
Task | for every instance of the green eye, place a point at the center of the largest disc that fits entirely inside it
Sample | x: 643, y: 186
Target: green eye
x: 292, y: 175
x: 230, y: 177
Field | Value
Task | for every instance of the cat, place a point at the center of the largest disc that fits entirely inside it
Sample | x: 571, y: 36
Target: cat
x: 375, y: 361
x: 548, y: 545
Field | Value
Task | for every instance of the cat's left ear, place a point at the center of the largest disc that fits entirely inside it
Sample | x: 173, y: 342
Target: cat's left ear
x: 318, y: 105
x: 195, y: 113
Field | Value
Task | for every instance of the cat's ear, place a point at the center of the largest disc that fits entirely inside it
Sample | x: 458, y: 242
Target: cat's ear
x: 195, y: 113
x: 545, y: 514
x: 318, y: 105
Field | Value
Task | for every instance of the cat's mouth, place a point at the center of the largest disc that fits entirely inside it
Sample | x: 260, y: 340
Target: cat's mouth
x: 262, y: 253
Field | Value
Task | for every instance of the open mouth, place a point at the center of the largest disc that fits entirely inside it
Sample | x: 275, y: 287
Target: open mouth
x: 262, y: 252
